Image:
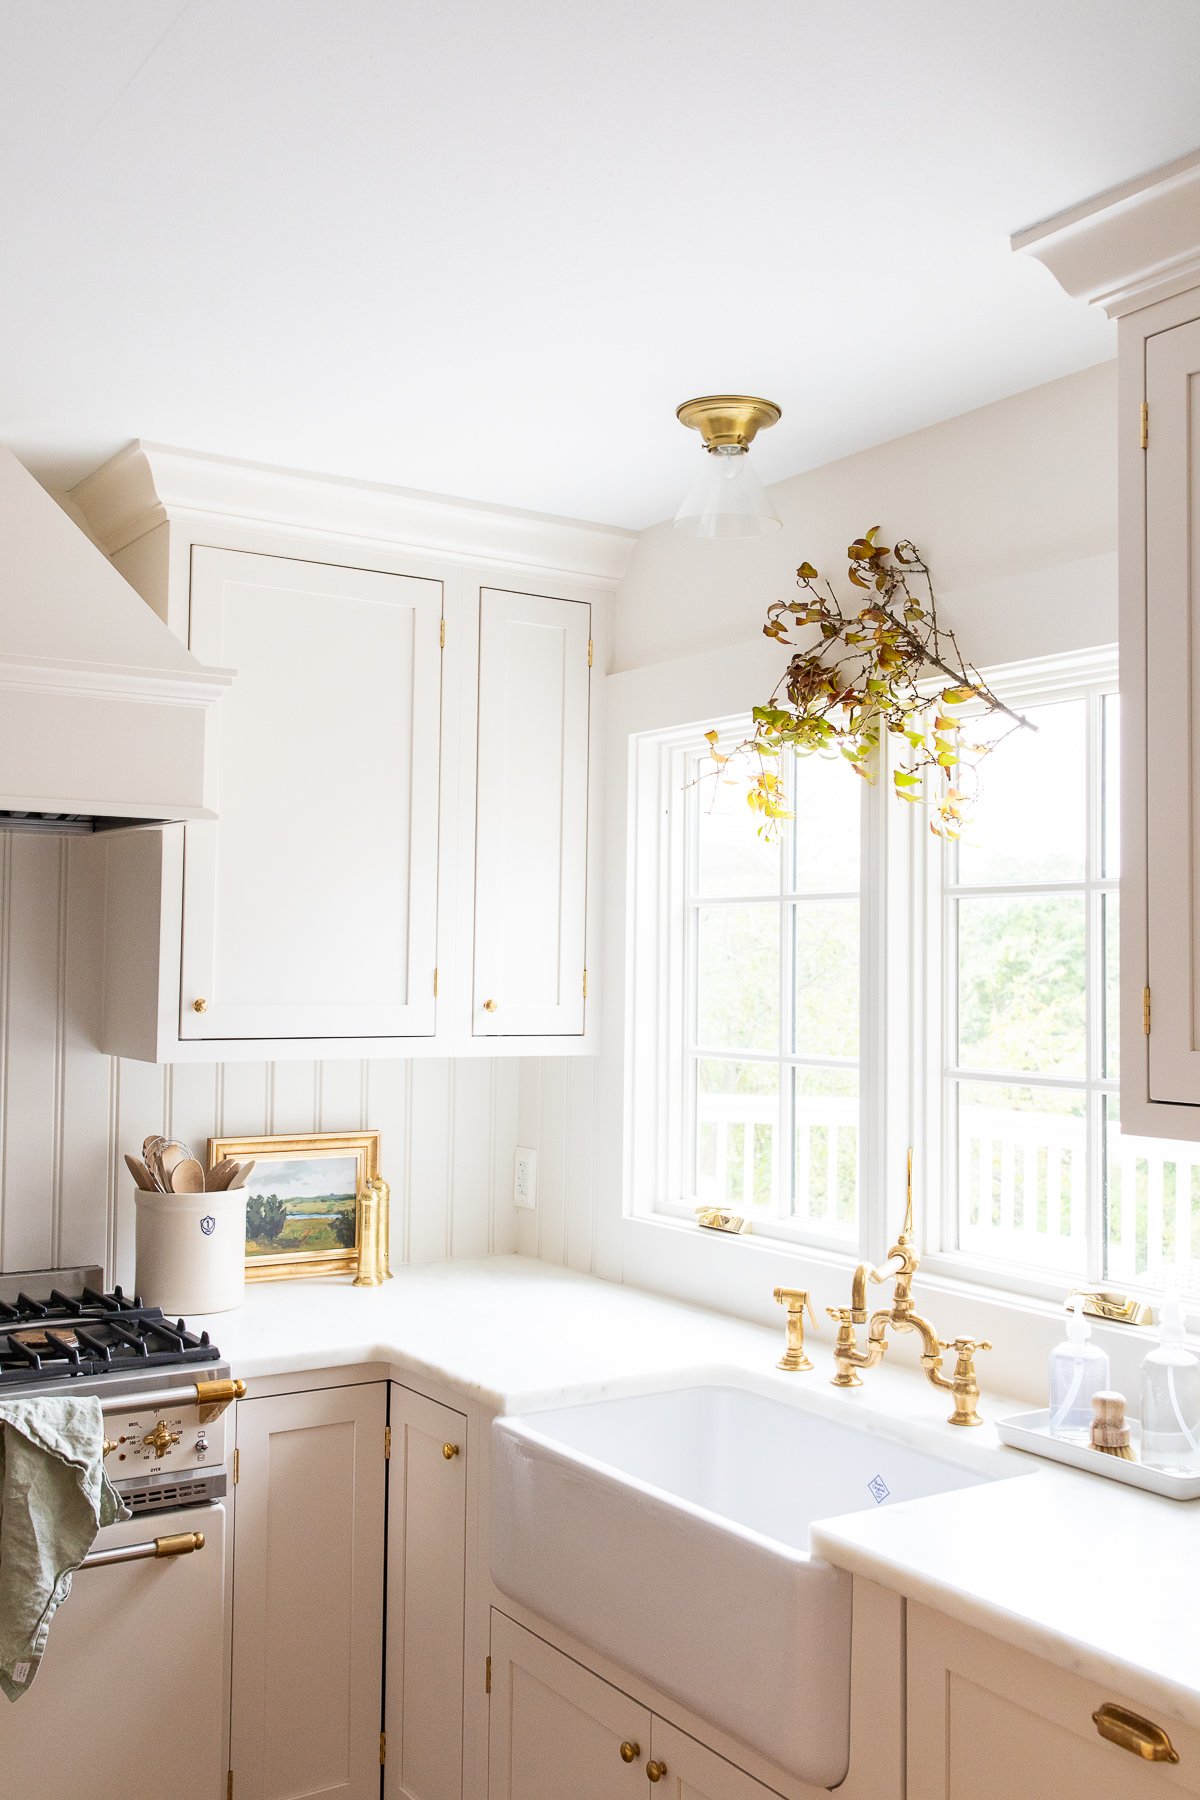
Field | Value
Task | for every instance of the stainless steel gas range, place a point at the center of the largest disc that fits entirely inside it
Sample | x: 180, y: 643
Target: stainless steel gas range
x: 150, y: 1599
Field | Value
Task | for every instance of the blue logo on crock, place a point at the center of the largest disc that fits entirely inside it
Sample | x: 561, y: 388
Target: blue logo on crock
x: 208, y: 1224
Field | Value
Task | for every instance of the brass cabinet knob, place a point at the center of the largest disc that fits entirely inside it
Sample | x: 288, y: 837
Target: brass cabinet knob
x: 630, y: 1752
x: 199, y: 1005
x: 655, y: 1771
x: 449, y: 1451
x: 489, y: 1006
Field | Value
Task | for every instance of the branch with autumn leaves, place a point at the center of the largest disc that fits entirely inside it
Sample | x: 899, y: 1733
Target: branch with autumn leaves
x: 867, y: 674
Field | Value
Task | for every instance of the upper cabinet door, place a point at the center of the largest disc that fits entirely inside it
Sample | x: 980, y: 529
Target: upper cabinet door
x: 309, y: 907
x: 532, y: 801
x: 1172, y: 461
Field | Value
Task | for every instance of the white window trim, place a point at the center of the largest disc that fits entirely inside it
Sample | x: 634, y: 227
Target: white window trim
x: 656, y: 1111
x: 1067, y: 677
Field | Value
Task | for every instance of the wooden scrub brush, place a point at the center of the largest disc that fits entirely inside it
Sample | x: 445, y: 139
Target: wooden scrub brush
x: 1110, y: 1433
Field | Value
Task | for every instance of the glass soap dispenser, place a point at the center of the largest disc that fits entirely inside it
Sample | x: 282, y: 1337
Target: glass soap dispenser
x: 1078, y: 1369
x: 1171, y: 1396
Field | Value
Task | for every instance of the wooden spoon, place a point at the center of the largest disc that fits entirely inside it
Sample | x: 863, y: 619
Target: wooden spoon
x: 187, y: 1176
x: 217, y: 1178
x: 140, y: 1173
x: 241, y: 1177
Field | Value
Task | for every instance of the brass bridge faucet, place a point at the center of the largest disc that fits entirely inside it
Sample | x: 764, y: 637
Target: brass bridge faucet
x: 901, y: 1316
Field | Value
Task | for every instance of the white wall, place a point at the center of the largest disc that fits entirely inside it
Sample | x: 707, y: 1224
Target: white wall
x: 1015, y: 507
x: 67, y: 1112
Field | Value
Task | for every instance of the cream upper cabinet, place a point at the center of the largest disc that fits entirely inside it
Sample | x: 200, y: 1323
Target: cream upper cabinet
x: 989, y: 1722
x: 1172, y: 765
x: 310, y: 904
x: 531, y: 815
x: 404, y: 772
x: 1135, y: 252
x: 308, y: 1584
x: 427, y: 1539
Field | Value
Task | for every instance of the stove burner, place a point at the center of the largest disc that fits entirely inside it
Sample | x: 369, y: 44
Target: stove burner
x: 92, y: 1334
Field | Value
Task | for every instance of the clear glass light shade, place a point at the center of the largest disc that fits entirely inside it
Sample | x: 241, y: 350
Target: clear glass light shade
x: 727, y: 499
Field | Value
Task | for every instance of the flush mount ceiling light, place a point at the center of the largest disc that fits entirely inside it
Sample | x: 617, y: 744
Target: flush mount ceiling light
x: 727, y: 499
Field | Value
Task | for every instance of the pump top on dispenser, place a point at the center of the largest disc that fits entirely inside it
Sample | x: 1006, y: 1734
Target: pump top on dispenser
x: 1171, y: 1396
x: 1078, y: 1369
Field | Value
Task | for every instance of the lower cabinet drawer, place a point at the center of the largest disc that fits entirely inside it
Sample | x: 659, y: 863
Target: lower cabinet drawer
x: 989, y: 1722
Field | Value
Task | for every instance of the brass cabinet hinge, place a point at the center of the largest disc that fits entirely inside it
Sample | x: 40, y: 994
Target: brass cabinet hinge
x: 591, y: 652
x: 435, y: 984
x: 1146, y: 1011
x: 229, y: 1785
x: 442, y: 636
x: 487, y: 1676
x: 1145, y: 425
x: 382, y: 1748
x: 387, y: 1443
x: 585, y: 984
x: 237, y: 1467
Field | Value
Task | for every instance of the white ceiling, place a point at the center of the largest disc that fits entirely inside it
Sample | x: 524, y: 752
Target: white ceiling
x: 484, y: 247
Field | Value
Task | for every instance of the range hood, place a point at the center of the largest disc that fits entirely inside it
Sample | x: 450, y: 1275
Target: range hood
x: 103, y: 712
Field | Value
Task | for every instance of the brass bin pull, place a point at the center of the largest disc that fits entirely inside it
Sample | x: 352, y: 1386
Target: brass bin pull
x: 180, y: 1543
x: 1129, y: 1731
x: 630, y: 1752
x: 655, y: 1771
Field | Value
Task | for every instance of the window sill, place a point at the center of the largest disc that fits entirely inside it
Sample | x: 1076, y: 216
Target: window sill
x: 736, y: 1274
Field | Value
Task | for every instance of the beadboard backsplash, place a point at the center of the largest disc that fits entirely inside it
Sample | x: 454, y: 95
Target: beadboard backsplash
x: 67, y: 1112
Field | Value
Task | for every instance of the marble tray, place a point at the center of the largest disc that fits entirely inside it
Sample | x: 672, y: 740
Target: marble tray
x: 1031, y: 1431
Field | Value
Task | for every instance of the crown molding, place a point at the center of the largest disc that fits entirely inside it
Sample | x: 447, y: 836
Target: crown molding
x: 1129, y: 247
x: 113, y: 681
x: 147, y: 484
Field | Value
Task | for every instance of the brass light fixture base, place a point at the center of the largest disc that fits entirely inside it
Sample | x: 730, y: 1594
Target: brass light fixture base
x: 728, y: 421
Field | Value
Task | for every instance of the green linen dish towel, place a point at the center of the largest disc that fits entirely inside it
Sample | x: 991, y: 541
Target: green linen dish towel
x: 54, y: 1496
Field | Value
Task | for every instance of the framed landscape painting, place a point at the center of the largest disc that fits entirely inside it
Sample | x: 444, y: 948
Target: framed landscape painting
x: 301, y: 1200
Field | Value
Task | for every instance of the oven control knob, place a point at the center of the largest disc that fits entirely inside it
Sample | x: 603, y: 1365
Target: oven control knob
x: 201, y: 1443
x: 160, y: 1439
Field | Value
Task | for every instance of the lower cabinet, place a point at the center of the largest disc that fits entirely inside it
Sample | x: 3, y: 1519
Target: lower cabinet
x: 558, y: 1731
x: 308, y: 1586
x: 988, y: 1722
x: 426, y: 1588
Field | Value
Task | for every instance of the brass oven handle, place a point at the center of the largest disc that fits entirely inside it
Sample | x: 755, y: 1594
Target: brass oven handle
x: 180, y: 1543
x: 1131, y: 1732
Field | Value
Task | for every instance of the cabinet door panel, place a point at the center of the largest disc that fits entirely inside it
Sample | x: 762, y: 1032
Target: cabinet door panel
x: 988, y: 1722
x: 427, y: 1525
x: 308, y: 1595
x: 556, y: 1729
x: 310, y: 904
x: 1172, y: 465
x: 693, y: 1772
x: 531, y: 832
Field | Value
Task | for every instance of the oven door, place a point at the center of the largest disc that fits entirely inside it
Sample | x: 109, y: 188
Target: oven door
x: 128, y: 1698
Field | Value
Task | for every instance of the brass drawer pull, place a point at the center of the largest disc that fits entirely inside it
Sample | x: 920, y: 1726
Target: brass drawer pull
x: 449, y: 1451
x: 630, y: 1752
x: 489, y: 1006
x: 655, y: 1771
x: 1131, y: 1732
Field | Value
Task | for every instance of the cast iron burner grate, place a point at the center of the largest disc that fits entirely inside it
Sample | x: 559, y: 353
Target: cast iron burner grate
x: 121, y: 1338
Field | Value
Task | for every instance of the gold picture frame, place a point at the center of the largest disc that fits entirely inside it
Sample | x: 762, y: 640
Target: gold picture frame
x: 304, y: 1204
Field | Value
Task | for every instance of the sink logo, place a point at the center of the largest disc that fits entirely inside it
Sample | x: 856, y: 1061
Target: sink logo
x: 208, y: 1224
x: 880, y: 1489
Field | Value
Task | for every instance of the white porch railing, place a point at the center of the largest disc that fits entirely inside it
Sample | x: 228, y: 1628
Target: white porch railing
x: 1022, y: 1183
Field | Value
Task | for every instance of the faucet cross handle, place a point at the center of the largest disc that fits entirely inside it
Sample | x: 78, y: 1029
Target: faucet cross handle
x: 964, y: 1382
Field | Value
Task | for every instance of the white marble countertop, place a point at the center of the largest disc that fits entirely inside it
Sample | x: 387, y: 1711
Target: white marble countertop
x: 1099, y: 1578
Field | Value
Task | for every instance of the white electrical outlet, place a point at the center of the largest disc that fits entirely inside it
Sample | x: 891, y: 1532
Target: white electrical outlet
x: 525, y: 1178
